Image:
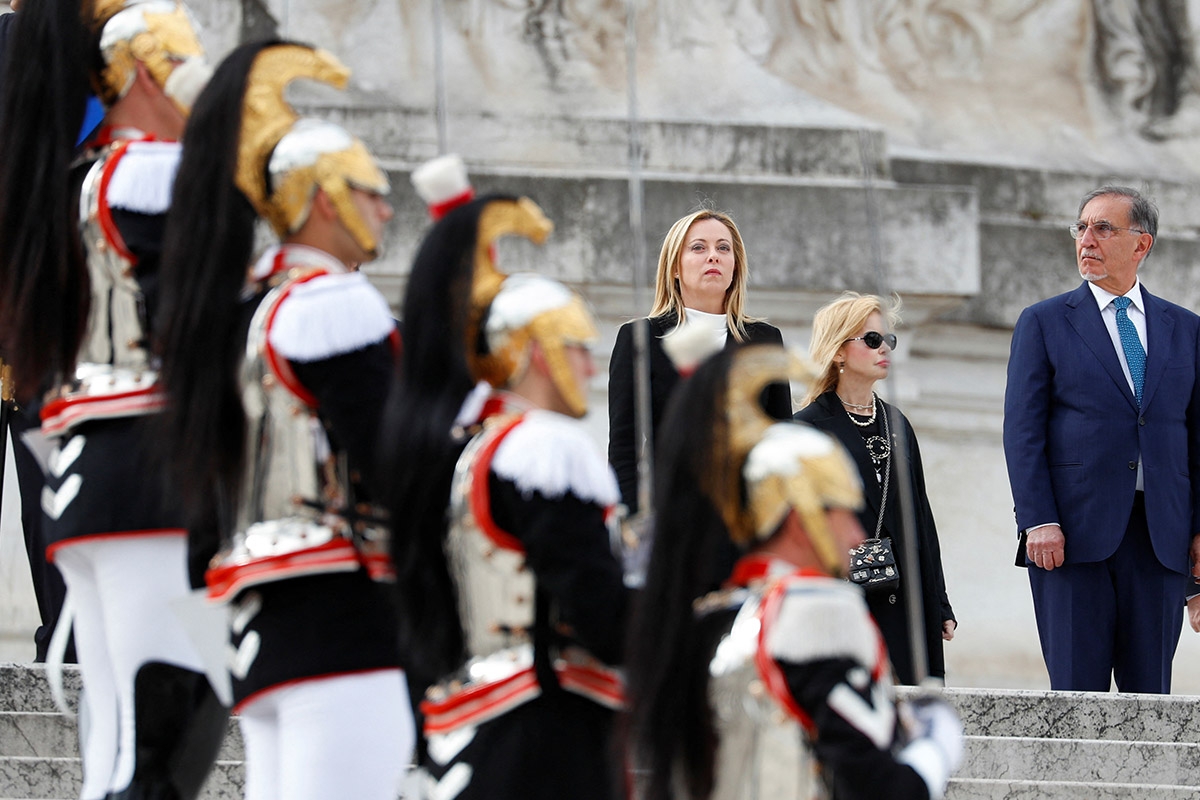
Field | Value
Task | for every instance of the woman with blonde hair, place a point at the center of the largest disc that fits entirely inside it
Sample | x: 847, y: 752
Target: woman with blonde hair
x: 701, y: 280
x: 852, y: 345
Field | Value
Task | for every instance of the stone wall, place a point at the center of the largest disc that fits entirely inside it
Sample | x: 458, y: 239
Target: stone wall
x: 937, y: 148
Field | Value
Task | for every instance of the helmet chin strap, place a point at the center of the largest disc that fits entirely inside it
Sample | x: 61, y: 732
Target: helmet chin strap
x: 351, y: 219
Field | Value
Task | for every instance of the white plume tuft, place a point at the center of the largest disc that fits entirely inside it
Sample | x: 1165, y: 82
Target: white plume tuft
x: 689, y: 344
x: 441, y: 179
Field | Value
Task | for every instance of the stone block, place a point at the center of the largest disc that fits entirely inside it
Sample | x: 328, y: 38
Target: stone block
x: 40, y: 778
x: 1026, y: 254
x: 1077, y: 715
x: 585, y: 145
x: 974, y: 789
x: 1080, y: 760
x: 26, y: 688
x: 813, y: 236
x: 38, y: 734
x: 62, y: 778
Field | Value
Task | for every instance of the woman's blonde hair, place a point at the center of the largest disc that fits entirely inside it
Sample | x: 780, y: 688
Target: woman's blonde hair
x: 667, y: 297
x: 836, y: 322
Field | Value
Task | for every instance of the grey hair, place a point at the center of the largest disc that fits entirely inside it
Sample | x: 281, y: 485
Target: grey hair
x: 1143, y: 213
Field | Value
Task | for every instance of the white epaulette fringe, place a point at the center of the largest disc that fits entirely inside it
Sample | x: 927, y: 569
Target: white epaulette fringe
x: 554, y: 454
x: 144, y: 177
x: 823, y: 618
x: 328, y: 316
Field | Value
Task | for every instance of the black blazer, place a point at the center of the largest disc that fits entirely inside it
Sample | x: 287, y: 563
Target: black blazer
x: 622, y: 450
x: 890, y: 609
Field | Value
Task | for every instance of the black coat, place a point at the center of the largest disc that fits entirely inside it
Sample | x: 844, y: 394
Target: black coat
x: 890, y: 609
x: 622, y: 450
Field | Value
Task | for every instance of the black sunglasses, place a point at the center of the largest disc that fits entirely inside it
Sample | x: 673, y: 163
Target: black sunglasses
x: 873, y: 339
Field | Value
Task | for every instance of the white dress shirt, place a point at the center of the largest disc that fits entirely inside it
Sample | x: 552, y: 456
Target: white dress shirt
x: 1137, y: 315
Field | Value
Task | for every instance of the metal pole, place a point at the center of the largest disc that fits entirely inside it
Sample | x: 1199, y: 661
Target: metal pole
x: 914, y: 597
x: 637, y: 226
x: 439, y: 77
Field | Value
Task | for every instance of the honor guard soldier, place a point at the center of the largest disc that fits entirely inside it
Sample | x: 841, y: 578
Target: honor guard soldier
x: 755, y: 670
x: 80, y: 238
x: 277, y: 372
x: 512, y: 601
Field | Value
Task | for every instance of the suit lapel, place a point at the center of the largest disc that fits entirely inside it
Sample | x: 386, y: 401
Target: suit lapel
x: 1084, y: 317
x: 1160, y: 329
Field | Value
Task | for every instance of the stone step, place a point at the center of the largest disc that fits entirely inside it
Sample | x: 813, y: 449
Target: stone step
x: 23, y: 687
x: 61, y: 779
x: 1080, y: 760
x: 37, y: 734
x: 1077, y: 715
x: 52, y: 735
x: 993, y: 789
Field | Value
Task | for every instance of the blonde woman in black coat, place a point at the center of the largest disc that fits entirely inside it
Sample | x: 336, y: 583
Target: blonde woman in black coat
x: 701, y: 279
x: 852, y: 346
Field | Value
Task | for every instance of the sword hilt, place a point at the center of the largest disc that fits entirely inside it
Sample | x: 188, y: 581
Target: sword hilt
x: 7, y: 391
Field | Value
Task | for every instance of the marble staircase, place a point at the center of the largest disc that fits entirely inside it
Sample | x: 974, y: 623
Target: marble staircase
x: 1020, y: 745
x: 39, y: 751
x: 1076, y: 746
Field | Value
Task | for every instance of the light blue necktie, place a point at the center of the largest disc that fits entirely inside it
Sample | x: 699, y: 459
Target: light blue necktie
x: 1135, y: 355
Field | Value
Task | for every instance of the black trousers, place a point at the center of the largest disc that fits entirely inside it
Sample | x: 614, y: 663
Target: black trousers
x: 48, y: 585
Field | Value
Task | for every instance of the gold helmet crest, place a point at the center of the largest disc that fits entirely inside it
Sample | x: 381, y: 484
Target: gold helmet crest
x: 517, y: 310
x: 157, y: 33
x: 783, y: 466
x: 283, y: 159
x: 795, y: 467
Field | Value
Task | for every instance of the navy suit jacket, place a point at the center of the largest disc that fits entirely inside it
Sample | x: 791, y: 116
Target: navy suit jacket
x: 1073, y: 432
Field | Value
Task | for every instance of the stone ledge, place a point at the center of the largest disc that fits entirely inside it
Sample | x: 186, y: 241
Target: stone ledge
x: 984, y: 789
x: 814, y: 235
x: 526, y: 142
x: 51, y: 734
x: 1080, y: 760
x: 61, y: 779
x: 1076, y: 715
x: 25, y: 687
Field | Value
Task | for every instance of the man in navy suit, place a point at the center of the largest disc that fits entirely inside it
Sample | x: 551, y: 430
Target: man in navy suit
x: 1102, y: 440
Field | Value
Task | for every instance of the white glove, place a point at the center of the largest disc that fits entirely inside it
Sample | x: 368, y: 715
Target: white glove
x: 935, y: 749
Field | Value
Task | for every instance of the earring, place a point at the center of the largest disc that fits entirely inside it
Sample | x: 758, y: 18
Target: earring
x: 842, y: 368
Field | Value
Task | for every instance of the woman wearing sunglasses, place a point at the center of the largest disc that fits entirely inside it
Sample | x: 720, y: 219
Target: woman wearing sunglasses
x: 851, y: 347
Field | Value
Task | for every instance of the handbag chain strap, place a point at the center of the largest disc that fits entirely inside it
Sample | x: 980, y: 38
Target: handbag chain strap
x: 887, y: 471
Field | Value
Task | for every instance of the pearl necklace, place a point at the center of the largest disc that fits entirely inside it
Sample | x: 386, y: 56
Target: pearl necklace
x: 870, y: 420
x: 870, y: 405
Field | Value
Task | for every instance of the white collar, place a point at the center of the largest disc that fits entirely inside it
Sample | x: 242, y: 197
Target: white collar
x: 707, y: 316
x: 295, y: 255
x: 1103, y: 297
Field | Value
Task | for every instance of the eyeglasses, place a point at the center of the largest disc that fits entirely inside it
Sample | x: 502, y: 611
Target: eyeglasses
x: 873, y: 339
x: 1101, y: 230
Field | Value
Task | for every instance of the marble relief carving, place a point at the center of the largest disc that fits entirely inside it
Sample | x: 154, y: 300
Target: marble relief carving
x: 1071, y: 82
x: 1146, y: 64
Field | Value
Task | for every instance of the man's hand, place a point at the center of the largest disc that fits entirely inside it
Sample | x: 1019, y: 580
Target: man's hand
x: 948, y: 628
x: 1194, y: 613
x: 1046, y: 546
x: 1195, y: 554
